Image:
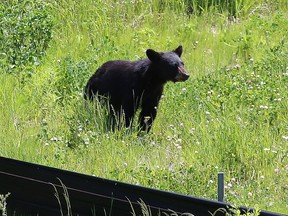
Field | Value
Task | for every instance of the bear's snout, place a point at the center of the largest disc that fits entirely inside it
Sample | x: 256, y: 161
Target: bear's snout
x: 182, y: 75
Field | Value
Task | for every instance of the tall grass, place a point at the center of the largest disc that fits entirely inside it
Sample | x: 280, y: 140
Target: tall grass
x: 229, y: 116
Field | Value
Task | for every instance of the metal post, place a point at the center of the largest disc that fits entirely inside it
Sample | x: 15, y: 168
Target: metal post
x: 221, y: 187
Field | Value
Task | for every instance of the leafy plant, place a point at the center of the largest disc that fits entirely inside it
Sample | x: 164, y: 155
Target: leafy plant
x: 3, y: 204
x: 25, y: 33
x: 72, y: 77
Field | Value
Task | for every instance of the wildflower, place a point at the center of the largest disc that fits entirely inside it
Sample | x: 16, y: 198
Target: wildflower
x: 192, y: 130
x: 285, y: 138
x: 210, y: 92
x: 250, y: 194
x: 276, y: 170
x: 44, y: 122
x: 263, y: 107
x: 237, y: 66
x: 178, y: 146
x: 54, y: 139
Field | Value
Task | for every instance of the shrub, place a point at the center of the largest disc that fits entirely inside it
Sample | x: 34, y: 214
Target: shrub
x: 25, y: 33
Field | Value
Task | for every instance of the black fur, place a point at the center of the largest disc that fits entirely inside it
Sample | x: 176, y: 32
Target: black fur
x: 130, y: 84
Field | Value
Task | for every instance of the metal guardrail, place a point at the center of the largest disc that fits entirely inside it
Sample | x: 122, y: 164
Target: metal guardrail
x: 33, y: 189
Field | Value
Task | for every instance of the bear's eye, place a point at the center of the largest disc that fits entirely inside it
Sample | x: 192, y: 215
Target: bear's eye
x: 176, y: 65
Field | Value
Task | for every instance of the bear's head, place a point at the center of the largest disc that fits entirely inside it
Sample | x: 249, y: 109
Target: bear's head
x: 169, y: 66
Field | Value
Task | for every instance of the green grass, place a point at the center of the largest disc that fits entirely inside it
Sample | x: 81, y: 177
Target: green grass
x: 230, y: 116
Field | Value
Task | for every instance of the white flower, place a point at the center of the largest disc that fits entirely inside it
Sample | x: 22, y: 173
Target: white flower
x: 263, y: 107
x: 54, y: 139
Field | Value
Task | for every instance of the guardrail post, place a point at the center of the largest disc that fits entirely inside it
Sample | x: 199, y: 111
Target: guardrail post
x: 221, y: 187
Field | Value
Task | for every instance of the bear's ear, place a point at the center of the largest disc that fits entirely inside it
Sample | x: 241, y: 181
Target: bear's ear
x: 153, y: 55
x: 178, y: 50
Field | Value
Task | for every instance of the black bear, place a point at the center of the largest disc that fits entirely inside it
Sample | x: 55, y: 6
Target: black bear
x: 130, y: 84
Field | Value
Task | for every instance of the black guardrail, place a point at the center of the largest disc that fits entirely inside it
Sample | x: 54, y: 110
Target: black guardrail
x: 33, y: 187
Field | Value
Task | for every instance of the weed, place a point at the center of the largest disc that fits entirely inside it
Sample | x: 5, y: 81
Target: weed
x: 3, y: 204
x: 26, y: 30
x: 66, y: 196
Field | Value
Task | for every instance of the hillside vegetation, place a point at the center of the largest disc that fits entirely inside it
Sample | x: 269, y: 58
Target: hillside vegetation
x: 231, y: 115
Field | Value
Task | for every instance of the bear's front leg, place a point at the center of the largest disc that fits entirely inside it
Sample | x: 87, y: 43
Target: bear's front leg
x: 149, y: 104
x: 147, y: 116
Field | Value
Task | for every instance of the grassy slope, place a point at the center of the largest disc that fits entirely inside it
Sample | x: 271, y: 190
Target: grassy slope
x: 222, y: 119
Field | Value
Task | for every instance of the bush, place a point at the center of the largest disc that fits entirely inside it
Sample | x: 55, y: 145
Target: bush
x: 25, y: 33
